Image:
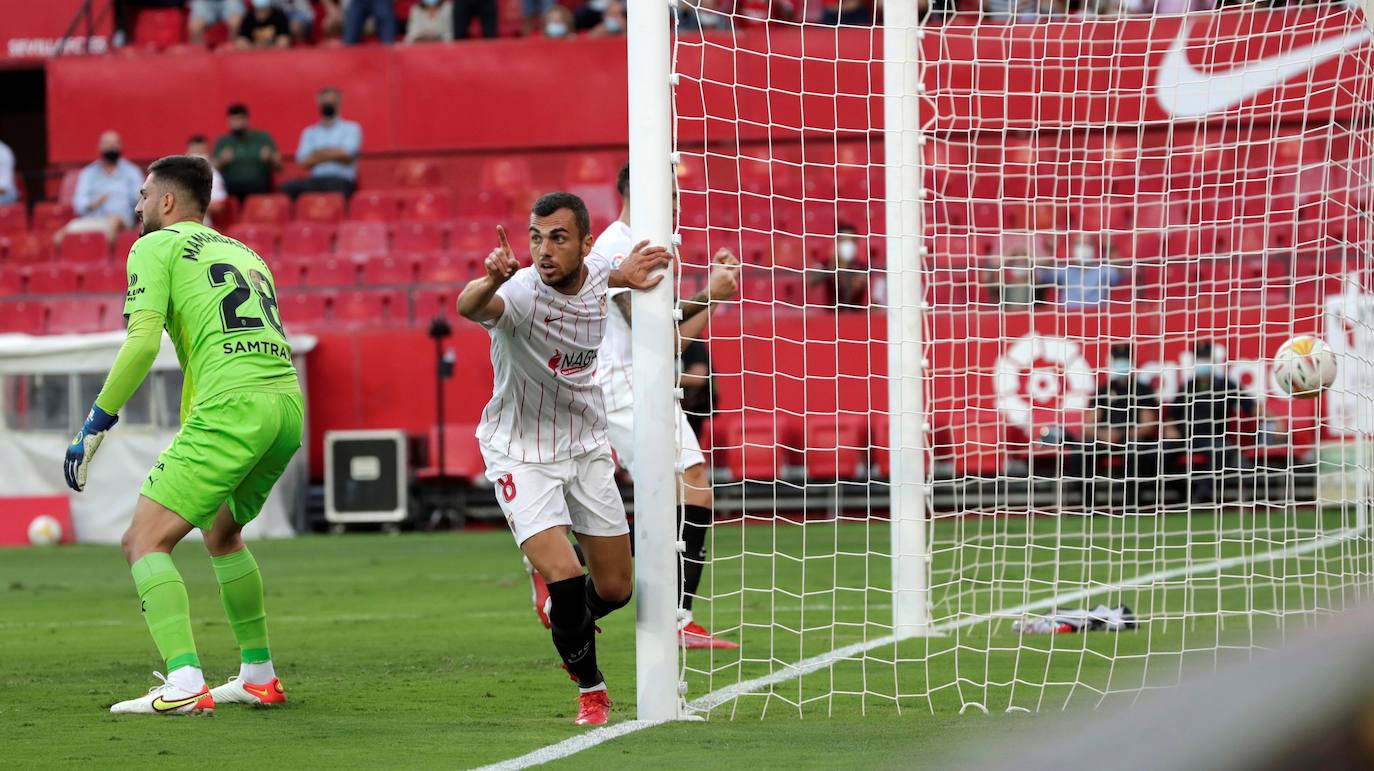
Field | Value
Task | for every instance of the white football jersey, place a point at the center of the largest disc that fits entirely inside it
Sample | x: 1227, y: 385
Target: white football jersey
x: 546, y: 404
x: 615, y: 372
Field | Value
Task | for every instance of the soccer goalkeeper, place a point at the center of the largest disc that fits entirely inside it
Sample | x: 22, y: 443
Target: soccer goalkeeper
x: 241, y: 419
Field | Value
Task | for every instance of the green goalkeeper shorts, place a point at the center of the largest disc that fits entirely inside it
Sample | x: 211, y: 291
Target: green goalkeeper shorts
x: 231, y: 449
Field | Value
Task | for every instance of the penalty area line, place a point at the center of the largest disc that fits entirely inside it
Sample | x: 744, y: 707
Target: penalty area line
x: 576, y: 744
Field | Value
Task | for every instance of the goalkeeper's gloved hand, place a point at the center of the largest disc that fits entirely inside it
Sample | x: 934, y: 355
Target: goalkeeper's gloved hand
x: 82, y: 449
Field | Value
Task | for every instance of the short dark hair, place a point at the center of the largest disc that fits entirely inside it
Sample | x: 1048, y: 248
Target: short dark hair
x: 196, y: 139
x: 329, y: 90
x: 552, y: 202
x: 1202, y: 350
x: 622, y: 182
x: 846, y: 229
x: 1121, y: 351
x: 189, y: 174
x: 238, y: 108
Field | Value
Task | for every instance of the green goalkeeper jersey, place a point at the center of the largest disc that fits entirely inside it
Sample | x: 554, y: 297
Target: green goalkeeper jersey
x: 220, y: 306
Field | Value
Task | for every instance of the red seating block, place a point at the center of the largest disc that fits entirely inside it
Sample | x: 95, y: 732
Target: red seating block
x: 11, y: 280
x: 508, y: 176
x: 418, y: 172
x: 54, y: 278
x: 417, y: 237
x: 13, y: 219
x: 80, y: 317
x: 84, y: 247
x: 306, y: 239
x: 485, y: 203
x: 372, y: 307
x: 123, y: 243
x: 261, y: 238
x: 266, y: 209
x: 320, y: 207
x: 289, y: 274
x: 603, y: 204
x: 430, y: 303
x: 383, y: 271
x: 374, y: 206
x: 754, y: 445
x: 50, y: 216
x: 431, y: 205
x: 362, y: 239
x: 22, y: 316
x: 159, y: 27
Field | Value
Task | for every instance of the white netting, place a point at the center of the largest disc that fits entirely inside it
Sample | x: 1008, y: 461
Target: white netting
x: 1160, y: 181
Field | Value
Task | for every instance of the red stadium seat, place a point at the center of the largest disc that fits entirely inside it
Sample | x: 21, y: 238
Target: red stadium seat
x: 289, y: 274
x: 306, y: 239
x: 444, y: 269
x: 374, y: 206
x: 417, y: 237
x: 836, y: 446
x: 755, y: 445
x: 54, y: 278
x: 511, y: 177
x: 361, y: 239
x: 104, y: 279
x: 430, y: 303
x: 303, y: 309
x: 320, y: 207
x: 261, y: 238
x: 159, y: 28
x: 602, y: 202
x: 371, y: 307
x: 462, y: 456
x: 50, y: 216
x: 390, y: 271
x: 11, y: 280
x: 84, y: 247
x: 22, y: 316
x: 487, y: 203
x: 30, y: 248
x: 80, y: 317
x: 430, y: 205
x: 418, y: 172
x: 14, y: 218
x: 591, y: 169
x: 331, y: 272
x: 123, y: 243
x: 66, y: 190
x: 266, y: 209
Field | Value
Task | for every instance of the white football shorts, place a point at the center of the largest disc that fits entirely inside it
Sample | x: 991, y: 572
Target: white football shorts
x: 579, y: 493
x: 620, y: 428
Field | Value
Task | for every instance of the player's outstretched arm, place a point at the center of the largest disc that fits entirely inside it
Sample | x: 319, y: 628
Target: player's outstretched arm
x: 478, y: 300
x: 722, y: 285
x: 634, y: 270
x: 131, y: 366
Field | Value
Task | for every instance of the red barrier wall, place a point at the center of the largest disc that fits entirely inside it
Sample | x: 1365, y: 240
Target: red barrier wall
x: 540, y: 93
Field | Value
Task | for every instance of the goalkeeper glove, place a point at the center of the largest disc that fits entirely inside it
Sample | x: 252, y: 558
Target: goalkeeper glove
x: 82, y: 449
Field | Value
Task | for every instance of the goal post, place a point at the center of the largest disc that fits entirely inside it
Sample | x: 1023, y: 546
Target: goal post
x: 924, y: 470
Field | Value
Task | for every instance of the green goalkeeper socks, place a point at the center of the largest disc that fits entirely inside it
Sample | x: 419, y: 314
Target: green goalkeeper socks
x: 240, y: 587
x: 166, y: 609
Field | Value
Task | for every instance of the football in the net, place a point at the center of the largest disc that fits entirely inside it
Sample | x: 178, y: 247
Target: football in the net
x: 45, y: 531
x: 1304, y: 366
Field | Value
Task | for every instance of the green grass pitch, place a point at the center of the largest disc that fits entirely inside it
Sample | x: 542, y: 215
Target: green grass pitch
x: 422, y: 651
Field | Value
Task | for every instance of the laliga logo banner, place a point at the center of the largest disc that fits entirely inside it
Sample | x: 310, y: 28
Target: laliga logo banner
x: 1042, y: 373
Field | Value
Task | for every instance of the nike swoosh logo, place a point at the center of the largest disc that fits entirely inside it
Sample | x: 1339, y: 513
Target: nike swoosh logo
x: 550, y: 319
x: 1184, y: 92
x: 162, y: 705
x: 261, y: 693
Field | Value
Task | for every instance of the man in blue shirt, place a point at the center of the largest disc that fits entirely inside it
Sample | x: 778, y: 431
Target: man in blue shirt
x: 1086, y: 282
x: 106, y: 192
x: 329, y: 149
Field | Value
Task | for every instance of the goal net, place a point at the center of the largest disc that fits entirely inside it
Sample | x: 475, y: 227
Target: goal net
x: 992, y: 424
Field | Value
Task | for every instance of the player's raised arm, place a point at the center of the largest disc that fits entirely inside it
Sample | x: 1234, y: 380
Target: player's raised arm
x: 478, y: 300
x: 634, y: 270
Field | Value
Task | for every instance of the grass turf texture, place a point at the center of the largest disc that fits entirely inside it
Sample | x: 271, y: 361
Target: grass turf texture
x: 422, y: 650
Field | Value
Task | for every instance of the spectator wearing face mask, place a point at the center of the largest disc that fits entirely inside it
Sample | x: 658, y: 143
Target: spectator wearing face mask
x: 1123, y: 431
x: 612, y: 21
x: 264, y: 26
x: 1087, y: 280
x: 843, y: 278
x: 431, y: 21
x: 1201, y: 440
x: 106, y: 192
x: 329, y: 149
x: 245, y: 156
x: 558, y: 23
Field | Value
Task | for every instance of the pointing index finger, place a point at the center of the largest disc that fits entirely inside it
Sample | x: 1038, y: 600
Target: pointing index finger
x: 501, y: 234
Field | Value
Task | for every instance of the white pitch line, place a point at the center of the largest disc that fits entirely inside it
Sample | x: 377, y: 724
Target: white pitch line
x: 805, y: 667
